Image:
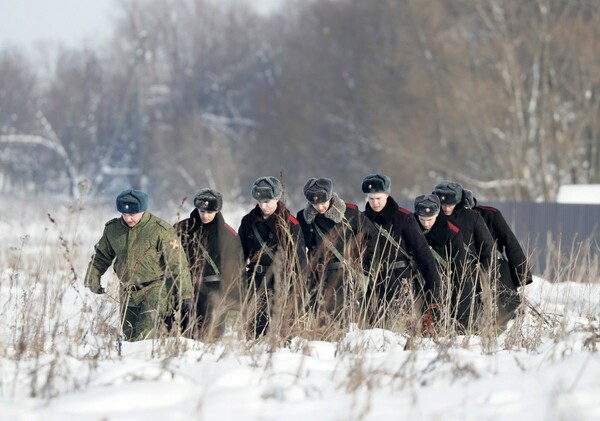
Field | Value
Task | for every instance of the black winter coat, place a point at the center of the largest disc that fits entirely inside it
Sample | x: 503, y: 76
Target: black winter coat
x: 507, y: 244
x: 401, y: 225
x: 346, y: 227
x: 222, y: 244
x: 282, y: 235
x: 474, y: 232
x: 446, y: 241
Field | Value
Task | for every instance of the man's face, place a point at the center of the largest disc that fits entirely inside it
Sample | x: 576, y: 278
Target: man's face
x: 268, y: 207
x: 448, y: 209
x: 377, y: 201
x: 207, y: 217
x: 132, y: 219
x: 322, y: 207
x: 427, y: 221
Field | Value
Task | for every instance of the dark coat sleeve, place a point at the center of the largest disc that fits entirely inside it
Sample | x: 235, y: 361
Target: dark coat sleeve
x: 483, y: 241
x: 509, y: 244
x: 417, y: 246
x: 232, y: 262
x: 368, y: 234
x: 243, y: 235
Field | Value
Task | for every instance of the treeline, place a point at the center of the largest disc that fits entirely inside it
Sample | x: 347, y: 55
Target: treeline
x: 502, y: 96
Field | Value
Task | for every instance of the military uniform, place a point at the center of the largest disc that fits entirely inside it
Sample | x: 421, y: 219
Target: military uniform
x: 150, y: 264
x: 216, y: 262
x: 341, y: 246
x: 272, y: 246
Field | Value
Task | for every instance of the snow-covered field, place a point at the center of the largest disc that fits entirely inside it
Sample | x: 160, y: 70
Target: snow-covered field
x: 56, y: 366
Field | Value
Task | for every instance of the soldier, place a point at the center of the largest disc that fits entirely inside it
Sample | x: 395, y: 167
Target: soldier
x: 447, y: 246
x: 512, y: 265
x: 274, y: 253
x: 341, y: 244
x: 216, y: 263
x: 477, y: 239
x: 149, y: 262
x: 401, y: 243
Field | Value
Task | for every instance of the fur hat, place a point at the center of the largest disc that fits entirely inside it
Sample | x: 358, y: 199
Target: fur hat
x: 208, y: 200
x: 376, y: 183
x: 470, y: 201
x: 132, y: 201
x: 427, y: 205
x: 266, y: 188
x: 449, y: 192
x: 318, y: 190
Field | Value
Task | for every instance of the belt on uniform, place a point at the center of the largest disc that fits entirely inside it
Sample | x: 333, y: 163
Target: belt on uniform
x: 321, y: 267
x: 141, y: 285
x: 211, y: 279
x: 400, y: 264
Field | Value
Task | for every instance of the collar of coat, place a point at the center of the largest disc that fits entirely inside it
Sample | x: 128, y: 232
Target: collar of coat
x: 386, y: 215
x: 336, y: 210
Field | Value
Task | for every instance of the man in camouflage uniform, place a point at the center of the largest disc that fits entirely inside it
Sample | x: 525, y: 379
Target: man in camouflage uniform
x: 148, y: 260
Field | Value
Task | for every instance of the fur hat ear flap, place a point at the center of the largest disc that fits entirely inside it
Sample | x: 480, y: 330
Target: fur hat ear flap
x: 470, y: 200
x: 208, y: 200
x: 132, y: 201
x: 449, y: 192
x: 318, y: 190
x: 266, y: 188
x: 376, y: 183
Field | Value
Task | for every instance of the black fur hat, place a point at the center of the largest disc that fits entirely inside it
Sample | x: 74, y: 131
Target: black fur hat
x: 449, y: 192
x: 318, y: 190
x: 208, y: 200
x: 427, y: 205
x: 266, y: 188
x: 132, y: 201
x: 376, y: 183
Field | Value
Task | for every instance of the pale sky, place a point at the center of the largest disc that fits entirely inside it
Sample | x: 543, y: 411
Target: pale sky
x: 24, y: 23
x: 27, y: 23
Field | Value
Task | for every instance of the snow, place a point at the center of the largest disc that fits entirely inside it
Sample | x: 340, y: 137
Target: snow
x: 545, y: 366
x: 579, y: 193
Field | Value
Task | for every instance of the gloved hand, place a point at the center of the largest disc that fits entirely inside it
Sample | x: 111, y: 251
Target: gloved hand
x: 97, y: 289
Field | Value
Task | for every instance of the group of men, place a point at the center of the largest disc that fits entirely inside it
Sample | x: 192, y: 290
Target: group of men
x: 330, y: 261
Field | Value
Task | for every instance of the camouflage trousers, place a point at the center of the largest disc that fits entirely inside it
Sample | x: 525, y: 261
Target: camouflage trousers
x: 143, y: 312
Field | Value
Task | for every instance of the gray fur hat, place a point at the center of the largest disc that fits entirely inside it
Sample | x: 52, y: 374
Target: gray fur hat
x: 318, y: 190
x: 208, y: 200
x: 266, y: 188
x: 376, y: 183
x: 449, y: 192
x: 470, y: 200
x: 427, y: 205
x: 132, y: 201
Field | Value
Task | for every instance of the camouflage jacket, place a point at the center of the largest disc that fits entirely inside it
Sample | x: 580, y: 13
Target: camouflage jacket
x: 148, y: 252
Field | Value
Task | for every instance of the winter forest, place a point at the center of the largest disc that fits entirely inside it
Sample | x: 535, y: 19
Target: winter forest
x: 500, y: 96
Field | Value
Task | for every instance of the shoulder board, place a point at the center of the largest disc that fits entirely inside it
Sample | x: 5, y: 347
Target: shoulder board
x: 453, y: 227
x: 112, y: 221
x: 293, y: 220
x: 163, y: 224
x: 351, y: 205
x: 490, y: 208
x: 226, y: 225
x: 403, y: 210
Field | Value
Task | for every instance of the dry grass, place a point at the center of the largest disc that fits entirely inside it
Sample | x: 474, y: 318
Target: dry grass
x: 50, y: 318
